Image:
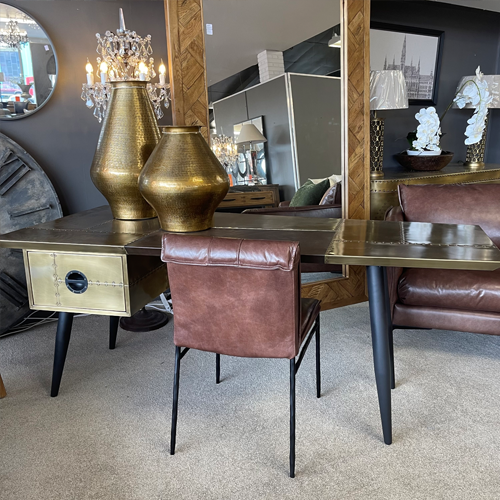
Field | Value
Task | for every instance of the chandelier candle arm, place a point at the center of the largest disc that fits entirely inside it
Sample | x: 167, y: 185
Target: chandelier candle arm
x: 124, y: 57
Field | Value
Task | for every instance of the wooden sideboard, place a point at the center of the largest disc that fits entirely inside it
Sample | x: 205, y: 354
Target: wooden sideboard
x: 384, y: 192
x: 261, y: 195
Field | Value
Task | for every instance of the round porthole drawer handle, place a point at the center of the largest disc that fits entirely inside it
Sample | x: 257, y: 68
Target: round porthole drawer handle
x: 76, y: 282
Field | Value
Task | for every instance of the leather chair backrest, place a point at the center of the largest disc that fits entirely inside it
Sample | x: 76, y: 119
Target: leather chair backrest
x: 454, y: 204
x: 233, y: 296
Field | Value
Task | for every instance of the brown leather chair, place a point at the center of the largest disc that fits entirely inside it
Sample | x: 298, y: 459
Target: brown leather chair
x: 240, y: 298
x: 467, y: 301
x: 330, y: 208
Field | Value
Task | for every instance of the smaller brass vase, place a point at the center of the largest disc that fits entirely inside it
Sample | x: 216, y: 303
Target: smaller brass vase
x: 183, y: 180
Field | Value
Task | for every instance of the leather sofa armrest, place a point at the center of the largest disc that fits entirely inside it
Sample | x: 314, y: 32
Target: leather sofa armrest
x: 322, y: 211
x: 394, y: 214
x: 284, y: 203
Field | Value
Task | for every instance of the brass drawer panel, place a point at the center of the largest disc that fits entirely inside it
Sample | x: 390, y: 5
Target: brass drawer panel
x: 106, y: 287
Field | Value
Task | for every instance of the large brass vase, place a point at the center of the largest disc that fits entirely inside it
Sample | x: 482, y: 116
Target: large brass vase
x: 128, y: 137
x: 183, y: 180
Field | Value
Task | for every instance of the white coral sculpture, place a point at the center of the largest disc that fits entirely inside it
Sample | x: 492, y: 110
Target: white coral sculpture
x: 476, y: 93
x: 428, y: 131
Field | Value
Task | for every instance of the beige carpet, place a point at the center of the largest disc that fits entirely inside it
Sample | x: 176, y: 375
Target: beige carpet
x: 107, y: 434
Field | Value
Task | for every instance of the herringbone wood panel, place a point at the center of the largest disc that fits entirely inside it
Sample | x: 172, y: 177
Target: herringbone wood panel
x: 187, y: 69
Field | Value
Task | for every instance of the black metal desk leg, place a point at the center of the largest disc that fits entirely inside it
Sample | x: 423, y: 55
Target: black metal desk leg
x: 380, y: 343
x: 113, y: 330
x: 63, y: 334
x: 389, y: 327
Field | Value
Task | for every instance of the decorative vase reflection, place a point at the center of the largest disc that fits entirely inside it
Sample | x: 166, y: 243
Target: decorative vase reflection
x: 183, y: 180
x: 128, y: 137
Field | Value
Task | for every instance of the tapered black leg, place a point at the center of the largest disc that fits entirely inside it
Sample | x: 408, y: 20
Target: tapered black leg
x: 292, y: 417
x: 217, y: 368
x: 63, y: 334
x: 380, y: 343
x: 175, y: 402
x: 113, y: 330
x: 390, y: 329
x: 391, y: 356
x: 318, y: 362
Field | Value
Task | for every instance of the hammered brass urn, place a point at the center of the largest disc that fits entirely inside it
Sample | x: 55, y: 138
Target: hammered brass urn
x: 183, y: 180
x: 128, y: 137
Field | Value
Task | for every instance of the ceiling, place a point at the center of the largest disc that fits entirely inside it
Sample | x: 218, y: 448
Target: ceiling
x: 243, y: 28
x: 493, y: 5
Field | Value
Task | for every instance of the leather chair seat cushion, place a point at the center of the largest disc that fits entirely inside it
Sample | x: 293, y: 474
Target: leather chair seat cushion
x: 309, y: 311
x: 451, y: 289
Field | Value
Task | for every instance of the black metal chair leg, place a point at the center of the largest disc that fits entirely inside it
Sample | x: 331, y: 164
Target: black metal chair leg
x: 64, y: 324
x: 318, y: 362
x: 380, y: 344
x: 113, y: 330
x: 389, y: 326
x: 217, y: 368
x: 292, y: 417
x: 175, y: 402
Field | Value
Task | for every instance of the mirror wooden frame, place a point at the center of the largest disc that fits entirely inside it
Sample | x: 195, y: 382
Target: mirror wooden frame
x: 187, y: 71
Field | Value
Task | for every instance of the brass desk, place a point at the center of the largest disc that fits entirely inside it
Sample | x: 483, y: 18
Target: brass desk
x: 94, y: 235
x: 384, y: 192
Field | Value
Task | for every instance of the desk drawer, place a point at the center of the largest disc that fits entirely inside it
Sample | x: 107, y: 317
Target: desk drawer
x: 93, y: 283
x: 248, y: 199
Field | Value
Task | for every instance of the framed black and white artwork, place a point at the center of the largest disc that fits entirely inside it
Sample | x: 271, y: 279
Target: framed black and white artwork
x: 414, y: 51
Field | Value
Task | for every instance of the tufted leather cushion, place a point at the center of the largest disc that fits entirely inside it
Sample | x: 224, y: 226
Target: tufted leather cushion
x: 203, y: 251
x: 454, y: 204
x: 451, y: 289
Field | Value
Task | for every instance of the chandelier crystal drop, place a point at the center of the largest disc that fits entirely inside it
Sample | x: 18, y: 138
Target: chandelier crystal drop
x: 12, y: 36
x: 124, y: 56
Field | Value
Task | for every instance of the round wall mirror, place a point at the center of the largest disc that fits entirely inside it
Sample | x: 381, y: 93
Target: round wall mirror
x: 28, y: 64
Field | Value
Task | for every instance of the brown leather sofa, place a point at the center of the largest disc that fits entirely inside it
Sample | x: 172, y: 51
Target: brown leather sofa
x: 331, y: 208
x: 467, y: 301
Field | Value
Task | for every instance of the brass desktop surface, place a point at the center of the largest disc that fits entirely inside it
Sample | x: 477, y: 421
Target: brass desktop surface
x: 333, y: 241
x: 384, y: 192
x: 126, y: 253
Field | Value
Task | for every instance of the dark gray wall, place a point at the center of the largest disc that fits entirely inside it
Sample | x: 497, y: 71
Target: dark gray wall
x: 317, y: 120
x: 315, y: 116
x: 471, y: 39
x: 62, y: 136
x: 267, y: 100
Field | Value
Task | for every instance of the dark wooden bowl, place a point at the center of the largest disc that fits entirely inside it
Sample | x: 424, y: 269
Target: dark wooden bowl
x: 424, y: 162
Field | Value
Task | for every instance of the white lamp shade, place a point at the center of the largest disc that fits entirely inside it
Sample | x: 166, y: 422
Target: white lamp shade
x: 249, y: 133
x: 493, y: 87
x: 388, y: 90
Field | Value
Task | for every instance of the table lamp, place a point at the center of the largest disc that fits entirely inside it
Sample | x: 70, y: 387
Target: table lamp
x: 250, y: 134
x: 474, y: 158
x: 387, y: 91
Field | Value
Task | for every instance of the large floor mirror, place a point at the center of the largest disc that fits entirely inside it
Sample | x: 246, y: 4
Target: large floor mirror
x: 283, y: 76
x: 298, y: 77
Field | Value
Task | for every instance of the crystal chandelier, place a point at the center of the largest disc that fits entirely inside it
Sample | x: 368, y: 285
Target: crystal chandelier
x: 12, y: 36
x: 226, y: 151
x: 124, y: 56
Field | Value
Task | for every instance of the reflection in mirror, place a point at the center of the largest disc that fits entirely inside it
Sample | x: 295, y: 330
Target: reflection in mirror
x: 281, y: 74
x: 28, y: 67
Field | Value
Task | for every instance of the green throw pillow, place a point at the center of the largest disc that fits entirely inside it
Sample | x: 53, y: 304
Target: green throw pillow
x: 310, y: 193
